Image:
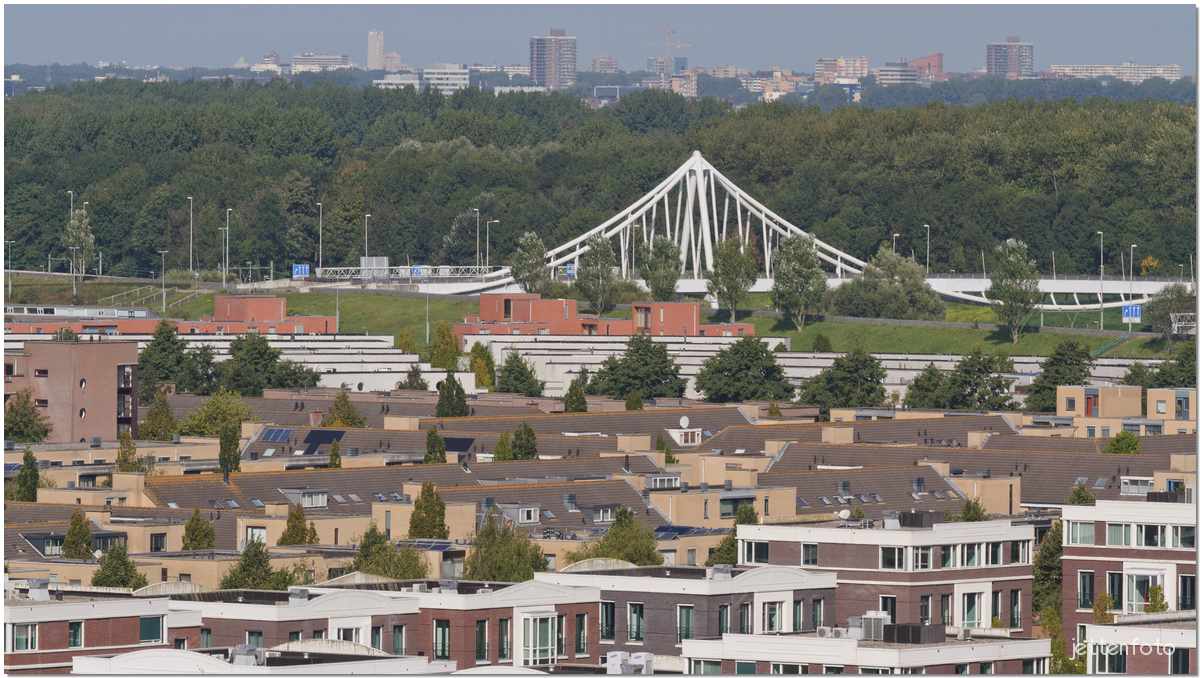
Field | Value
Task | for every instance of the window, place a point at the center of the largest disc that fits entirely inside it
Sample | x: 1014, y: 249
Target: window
x: 293, y: 636
x: 985, y: 668
x: 481, y: 648
x: 1091, y: 431
x: 995, y: 553
x: 1116, y: 590
x: 158, y: 542
x: 1187, y: 592
x: 997, y: 602
x: 818, y: 612
x: 888, y: 604
x: 1180, y: 661
x: 1151, y: 535
x: 205, y: 637
x: 808, y: 554
x: 527, y: 516
x: 349, y: 633
x: 946, y: 611
x: 1070, y: 405
x: 722, y: 620
x: 891, y: 557
x: 24, y: 637
x: 1184, y: 536
x: 797, y: 614
x: 691, y: 556
x: 771, y: 617
x: 1033, y: 666
x: 150, y: 630
x: 744, y: 620
x: 787, y: 669
x: 608, y: 621
x: 41, y: 372
x: 75, y: 634
x: 319, y: 634
x: 1080, y: 638
x: 41, y: 402
x: 606, y: 514
x: 922, y: 557
x: 704, y: 667
x: 948, y: 554
x: 971, y: 555
x: 1086, y: 589
x: 398, y: 639
x: 505, y: 639
x: 1082, y: 533
x: 538, y: 643
x: 314, y: 499
x: 1117, y: 534
x: 1018, y: 551
x: 924, y: 611
x: 637, y: 619
x: 256, y: 534
x: 831, y: 670
x: 745, y: 668
x: 581, y: 634
x: 1109, y: 659
x: 1014, y: 609
x: 971, y: 610
x: 756, y: 552
x: 684, y: 615
x: 83, y: 413
x: 560, y: 642
x: 1136, y: 487
x: 441, y: 639
x: 254, y: 638
x: 1137, y: 587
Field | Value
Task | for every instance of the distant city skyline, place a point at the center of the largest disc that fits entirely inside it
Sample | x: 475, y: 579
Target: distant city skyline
x: 750, y: 37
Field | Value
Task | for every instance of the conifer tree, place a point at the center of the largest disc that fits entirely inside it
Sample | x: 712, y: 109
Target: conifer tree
x: 335, y: 455
x: 435, y: 448
x: 428, y: 520
x: 77, y: 545
x: 116, y: 569
x: 198, y: 533
x: 342, y: 413
x: 524, y: 444
x: 294, y: 532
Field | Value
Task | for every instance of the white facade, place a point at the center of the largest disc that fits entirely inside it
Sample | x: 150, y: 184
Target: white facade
x: 375, y: 51
x: 312, y: 62
x: 398, y: 81
x: 891, y: 74
x: 446, y: 78
x: 1128, y: 71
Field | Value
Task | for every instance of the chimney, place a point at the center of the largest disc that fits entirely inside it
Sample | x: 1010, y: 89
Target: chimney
x: 625, y: 466
x: 314, y: 418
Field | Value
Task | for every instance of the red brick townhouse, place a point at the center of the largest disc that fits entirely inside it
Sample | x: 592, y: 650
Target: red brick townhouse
x: 1126, y: 549
x: 42, y: 634
x: 918, y: 570
x: 1144, y: 645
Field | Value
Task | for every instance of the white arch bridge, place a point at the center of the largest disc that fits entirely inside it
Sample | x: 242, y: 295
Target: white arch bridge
x: 697, y: 207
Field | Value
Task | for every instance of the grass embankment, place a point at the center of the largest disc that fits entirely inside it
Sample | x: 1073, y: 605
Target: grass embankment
x: 49, y: 290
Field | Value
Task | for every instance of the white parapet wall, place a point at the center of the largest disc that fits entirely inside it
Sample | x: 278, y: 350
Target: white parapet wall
x: 386, y: 380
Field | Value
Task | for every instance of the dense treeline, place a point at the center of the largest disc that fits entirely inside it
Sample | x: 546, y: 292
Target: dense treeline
x: 1050, y: 174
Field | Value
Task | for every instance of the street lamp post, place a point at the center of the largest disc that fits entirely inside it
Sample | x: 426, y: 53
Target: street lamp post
x: 488, y: 243
x: 71, y: 214
x: 225, y: 271
x: 163, y: 254
x: 73, y: 248
x: 1132, y: 247
x: 221, y: 256
x: 894, y: 236
x: 320, y: 235
x: 100, y: 253
x: 191, y: 224
x: 366, y: 234
x: 1101, y: 234
x: 927, y: 237
x: 476, y: 210
x: 8, y: 251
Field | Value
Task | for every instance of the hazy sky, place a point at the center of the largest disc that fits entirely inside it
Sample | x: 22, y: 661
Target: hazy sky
x: 751, y: 37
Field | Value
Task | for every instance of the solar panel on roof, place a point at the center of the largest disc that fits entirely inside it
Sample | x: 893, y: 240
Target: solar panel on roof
x: 269, y: 452
x: 257, y: 502
x: 275, y: 435
x: 801, y: 502
x: 231, y: 503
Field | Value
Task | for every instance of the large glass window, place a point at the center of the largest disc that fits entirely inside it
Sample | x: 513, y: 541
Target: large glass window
x: 1151, y: 535
x: 441, y: 639
x: 205, y: 637
x: 786, y: 669
x: 1137, y: 589
x: 723, y: 619
x: 995, y: 553
x: 683, y: 622
x: 254, y: 638
x: 1082, y: 533
x: 808, y: 554
x: 75, y: 634
x: 704, y: 667
x: 377, y: 637
x: 971, y: 609
x: 744, y: 618
x: 1180, y: 661
x: 150, y: 630
x: 771, y: 617
x: 24, y: 637
x: 1117, y: 534
x: 608, y: 621
x: 971, y: 554
x: 745, y: 668
x: 756, y: 552
x: 1187, y: 592
x: 581, y: 634
x: 481, y: 640
x: 538, y: 641
x: 818, y: 612
x: 891, y: 557
x: 1086, y: 589
x: 1109, y: 659
x: 888, y: 604
x: 1116, y: 590
x: 560, y: 630
x: 1185, y: 536
x: 922, y: 557
x: 637, y: 622
x: 505, y: 639
x: 1014, y: 609
x: 948, y: 553
x: 946, y: 611
x: 797, y: 614
x: 925, y: 610
x: 398, y: 639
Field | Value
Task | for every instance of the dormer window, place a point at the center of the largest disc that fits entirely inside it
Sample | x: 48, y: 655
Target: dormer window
x: 605, y: 514
x: 528, y: 516
x: 664, y: 482
x: 685, y: 437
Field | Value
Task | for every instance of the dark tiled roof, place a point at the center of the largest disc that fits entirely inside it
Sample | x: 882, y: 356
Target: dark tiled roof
x: 285, y: 412
x: 17, y: 512
x: 654, y: 421
x: 1166, y: 444
x: 894, y: 485
x: 905, y: 431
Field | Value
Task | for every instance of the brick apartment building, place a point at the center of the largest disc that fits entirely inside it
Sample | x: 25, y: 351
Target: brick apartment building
x: 1146, y: 645
x: 509, y: 313
x: 85, y: 389
x: 1124, y: 549
x: 960, y: 574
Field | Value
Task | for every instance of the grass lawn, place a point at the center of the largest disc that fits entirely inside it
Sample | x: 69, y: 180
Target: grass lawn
x: 36, y: 289
x: 968, y: 313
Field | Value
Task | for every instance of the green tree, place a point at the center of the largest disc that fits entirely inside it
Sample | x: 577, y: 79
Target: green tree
x: 435, y: 448
x: 528, y: 264
x: 295, y: 532
x: 821, y: 344
x: 220, y: 410
x: 502, y: 552
x: 799, y: 280
x: 633, y: 401
x: 1047, y: 569
x: 594, y: 278
x: 1081, y: 496
x: 659, y: 266
x: 977, y: 383
x: 1156, y: 602
x: 927, y: 390
x: 342, y: 413
x: 376, y: 555
x: 516, y: 376
x: 77, y: 544
x: 230, y: 458
x: 575, y: 400
x: 972, y: 512
x: 1014, y: 283
x: 159, y: 423
x: 1180, y: 370
x: 745, y: 370
x: 1061, y: 661
x: 668, y: 456
x: 413, y: 380
x: 127, y: 459
x: 626, y: 539
x: 254, y: 365
x: 503, y: 451
x: 27, y: 479
x: 443, y: 353
x: 891, y: 286
x: 198, y: 373
x: 1102, y: 609
x: 428, y: 520
x: 452, y: 399
x: 854, y: 380
x: 117, y: 570
x: 646, y: 367
x: 726, y: 552
x: 310, y: 535
x: 524, y: 442
x: 1172, y: 299
x: 23, y: 423
x: 79, y: 234
x: 198, y: 533
x: 335, y: 455
x: 1069, y: 365
x: 483, y: 366
x: 1123, y: 443
x: 66, y: 334
x: 254, y: 571
x: 160, y: 361
x: 734, y: 272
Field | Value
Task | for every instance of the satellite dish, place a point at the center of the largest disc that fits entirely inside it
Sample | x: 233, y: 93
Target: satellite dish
x: 844, y: 514
x: 684, y: 421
